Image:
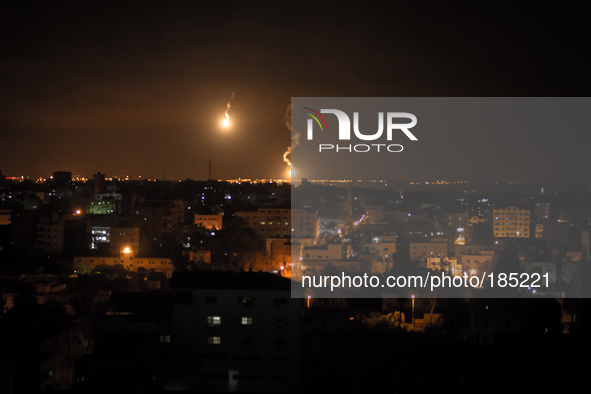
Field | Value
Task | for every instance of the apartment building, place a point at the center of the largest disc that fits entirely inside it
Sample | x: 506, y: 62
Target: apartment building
x: 511, y: 222
x: 242, y: 331
x: 275, y: 222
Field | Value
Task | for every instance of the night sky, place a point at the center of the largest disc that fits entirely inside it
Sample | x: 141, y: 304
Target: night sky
x: 141, y: 89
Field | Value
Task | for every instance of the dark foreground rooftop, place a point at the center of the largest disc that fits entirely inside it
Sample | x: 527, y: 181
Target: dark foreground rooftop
x: 229, y: 280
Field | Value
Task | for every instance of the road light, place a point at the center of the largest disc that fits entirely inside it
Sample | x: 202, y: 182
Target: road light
x: 413, y: 310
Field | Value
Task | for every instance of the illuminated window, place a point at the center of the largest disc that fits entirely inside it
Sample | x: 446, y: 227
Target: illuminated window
x: 214, y: 340
x: 246, y: 320
x: 245, y: 300
x: 214, y: 320
x: 165, y: 338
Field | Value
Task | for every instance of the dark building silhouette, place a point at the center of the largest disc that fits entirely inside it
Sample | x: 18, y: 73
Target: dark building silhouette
x: 99, y: 182
x: 62, y: 178
x: 240, y: 331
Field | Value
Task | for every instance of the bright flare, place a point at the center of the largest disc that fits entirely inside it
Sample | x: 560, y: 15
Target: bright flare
x: 289, y: 173
x: 226, y: 122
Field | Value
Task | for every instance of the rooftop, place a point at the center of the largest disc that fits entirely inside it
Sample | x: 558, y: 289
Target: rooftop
x: 229, y: 280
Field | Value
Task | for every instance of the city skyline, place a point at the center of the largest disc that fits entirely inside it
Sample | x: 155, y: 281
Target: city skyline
x: 420, y: 221
x: 147, y: 91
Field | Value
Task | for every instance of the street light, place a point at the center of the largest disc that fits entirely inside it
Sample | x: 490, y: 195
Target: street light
x: 413, y: 310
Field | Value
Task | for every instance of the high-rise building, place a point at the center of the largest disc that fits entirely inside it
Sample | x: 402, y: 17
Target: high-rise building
x: 511, y: 222
x: 50, y: 235
x: 99, y: 182
x: 241, y: 330
x: 160, y: 223
x: 542, y: 210
x: 458, y: 222
x: 24, y: 231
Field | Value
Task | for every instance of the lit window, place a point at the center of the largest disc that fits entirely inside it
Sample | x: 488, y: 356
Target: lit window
x: 214, y: 340
x: 165, y: 338
x: 246, y: 320
x: 214, y: 320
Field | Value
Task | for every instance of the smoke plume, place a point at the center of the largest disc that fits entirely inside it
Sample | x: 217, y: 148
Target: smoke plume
x: 295, y: 138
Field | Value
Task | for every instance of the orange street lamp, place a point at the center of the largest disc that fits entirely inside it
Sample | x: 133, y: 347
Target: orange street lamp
x: 413, y: 309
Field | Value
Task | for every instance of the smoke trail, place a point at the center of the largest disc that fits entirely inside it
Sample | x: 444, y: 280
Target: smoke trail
x: 295, y: 139
x: 287, y: 153
x: 226, y: 122
x: 287, y: 117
